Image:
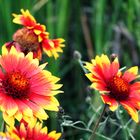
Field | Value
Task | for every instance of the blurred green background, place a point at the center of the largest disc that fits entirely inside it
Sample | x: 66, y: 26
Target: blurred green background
x: 92, y: 27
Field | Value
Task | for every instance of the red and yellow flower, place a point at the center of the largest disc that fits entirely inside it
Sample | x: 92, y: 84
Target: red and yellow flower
x: 26, y: 89
x: 29, y: 132
x: 33, y: 37
x: 115, y: 87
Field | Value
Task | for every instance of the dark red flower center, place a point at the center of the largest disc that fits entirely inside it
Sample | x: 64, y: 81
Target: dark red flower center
x: 16, y: 85
x: 119, y: 88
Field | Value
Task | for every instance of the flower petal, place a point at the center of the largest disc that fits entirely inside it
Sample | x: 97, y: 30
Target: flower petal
x: 23, y: 131
x: 130, y: 109
x: 46, y: 102
x: 135, y: 101
x: 37, y: 110
x: 114, y: 67
x: 11, y: 107
x: 24, y: 108
x: 131, y: 74
x: 99, y: 86
x: 25, y: 18
x: 4, y: 50
x: 54, y: 135
x: 9, y: 120
x: 113, y: 104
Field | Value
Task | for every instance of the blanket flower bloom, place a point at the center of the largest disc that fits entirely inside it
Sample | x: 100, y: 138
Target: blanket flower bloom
x: 29, y: 132
x: 33, y: 37
x: 115, y: 87
x: 26, y: 90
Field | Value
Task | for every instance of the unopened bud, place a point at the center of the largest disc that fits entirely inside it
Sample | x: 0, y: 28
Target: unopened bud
x: 77, y: 55
x: 113, y: 56
x: 61, y: 110
x: 88, y: 99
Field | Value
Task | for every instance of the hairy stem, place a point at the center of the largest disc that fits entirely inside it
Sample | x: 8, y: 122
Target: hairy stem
x: 4, y: 126
x: 97, y: 123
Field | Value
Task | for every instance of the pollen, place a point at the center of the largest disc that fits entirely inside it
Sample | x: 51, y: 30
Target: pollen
x: 119, y: 88
x: 16, y: 85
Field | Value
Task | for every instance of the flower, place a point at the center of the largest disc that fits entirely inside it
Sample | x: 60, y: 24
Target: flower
x: 29, y: 132
x: 115, y: 87
x: 33, y: 37
x: 26, y: 89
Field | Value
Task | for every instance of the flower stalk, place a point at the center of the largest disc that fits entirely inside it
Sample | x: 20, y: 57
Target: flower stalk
x: 92, y: 137
x: 3, y: 126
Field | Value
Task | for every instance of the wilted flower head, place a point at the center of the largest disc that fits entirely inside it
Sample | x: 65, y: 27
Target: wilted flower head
x: 33, y: 37
x: 115, y: 87
x: 26, y: 89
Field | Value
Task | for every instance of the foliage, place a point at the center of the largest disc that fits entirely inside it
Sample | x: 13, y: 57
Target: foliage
x: 91, y: 27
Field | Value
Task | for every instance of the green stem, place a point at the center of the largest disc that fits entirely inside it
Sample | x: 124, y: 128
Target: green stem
x: 124, y: 130
x: 82, y: 66
x: 3, y: 126
x: 97, y: 123
x: 86, y: 130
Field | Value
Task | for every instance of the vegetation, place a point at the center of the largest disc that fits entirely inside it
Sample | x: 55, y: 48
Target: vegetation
x: 90, y: 27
